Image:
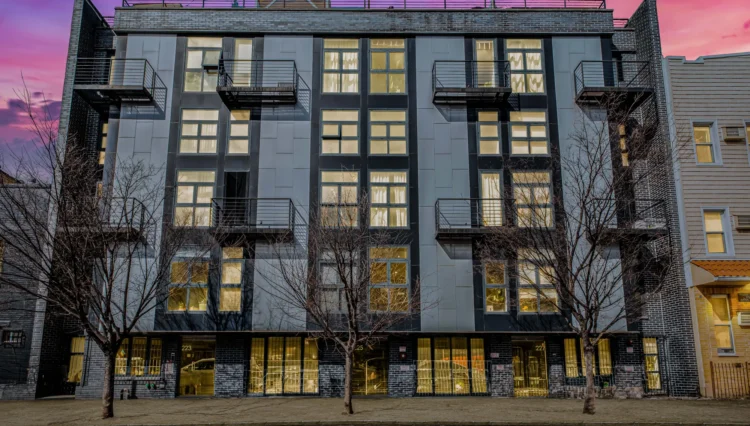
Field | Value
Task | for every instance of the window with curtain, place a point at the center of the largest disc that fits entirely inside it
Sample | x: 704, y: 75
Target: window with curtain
x: 340, y: 65
x: 489, y: 133
x: 387, y: 66
x: 290, y: 365
x: 486, y: 74
x: 202, y: 52
x: 340, y: 132
x: 139, y: 356
x: 188, y: 287
x: 528, y: 132
x: 195, y: 190
x: 491, y: 202
x: 198, y: 131
x: 232, y: 267
x: 239, y: 133
x: 525, y: 57
x: 388, y: 200
x: 451, y: 366
x: 75, y: 365
x: 602, y: 358
x: 722, y: 323
x: 704, y: 143
x: 495, y: 287
x: 533, y: 199
x: 388, y: 132
x: 389, y: 279
x: 339, y: 198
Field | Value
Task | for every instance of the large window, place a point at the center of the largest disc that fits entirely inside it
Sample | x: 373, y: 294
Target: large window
x: 189, y: 286
x: 195, y: 189
x: 495, y: 287
x: 341, y: 65
x: 388, y: 132
x: 139, y: 356
x: 602, y: 358
x: 388, y: 200
x: 340, y: 132
x: 75, y: 365
x: 722, y: 321
x: 489, y: 135
x: 704, y: 143
x: 283, y: 366
x: 389, y: 279
x: 651, y: 355
x: 387, y: 65
x: 714, y: 223
x: 199, y: 131
x: 525, y: 57
x: 451, y: 366
x: 536, y: 292
x: 331, y: 286
x: 339, y: 198
x: 239, y: 133
x: 531, y: 191
x: 203, y: 55
x: 232, y: 268
x: 528, y: 133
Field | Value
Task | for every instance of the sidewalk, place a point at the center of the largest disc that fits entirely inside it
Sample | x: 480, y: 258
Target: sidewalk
x: 375, y: 411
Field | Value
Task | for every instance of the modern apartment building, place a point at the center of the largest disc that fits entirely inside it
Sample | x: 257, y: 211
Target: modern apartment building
x: 712, y: 138
x: 276, y: 109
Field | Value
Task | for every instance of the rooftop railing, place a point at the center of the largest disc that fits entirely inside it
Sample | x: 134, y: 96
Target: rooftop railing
x: 370, y: 4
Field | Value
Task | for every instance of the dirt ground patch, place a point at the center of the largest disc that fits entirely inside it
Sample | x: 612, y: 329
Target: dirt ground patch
x: 381, y: 411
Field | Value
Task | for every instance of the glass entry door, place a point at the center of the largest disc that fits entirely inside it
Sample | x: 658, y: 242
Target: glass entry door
x: 485, y: 71
x: 197, y: 367
x: 370, y: 371
x: 530, y: 369
x: 491, y: 203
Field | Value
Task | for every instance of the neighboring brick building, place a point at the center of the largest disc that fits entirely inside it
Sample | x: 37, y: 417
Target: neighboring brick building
x: 712, y: 137
x: 276, y: 111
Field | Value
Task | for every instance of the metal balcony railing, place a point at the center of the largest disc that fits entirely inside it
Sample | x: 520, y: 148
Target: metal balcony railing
x: 112, y: 81
x: 620, y: 22
x: 462, y: 82
x: 369, y: 4
x: 253, y: 215
x: 597, y: 81
x: 125, y: 217
x: 465, y: 216
x: 249, y: 82
x: 639, y: 214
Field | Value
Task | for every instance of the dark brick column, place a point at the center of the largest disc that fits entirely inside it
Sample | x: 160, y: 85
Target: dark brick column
x: 402, y: 380
x: 230, y: 368
x: 501, y: 366
x: 331, y: 370
x: 556, y: 363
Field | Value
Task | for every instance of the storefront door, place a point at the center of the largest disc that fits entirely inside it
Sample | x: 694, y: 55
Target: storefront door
x: 197, y: 366
x: 529, y: 369
x: 370, y: 371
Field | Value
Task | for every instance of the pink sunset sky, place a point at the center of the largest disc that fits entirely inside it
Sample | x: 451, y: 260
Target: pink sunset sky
x: 35, y: 41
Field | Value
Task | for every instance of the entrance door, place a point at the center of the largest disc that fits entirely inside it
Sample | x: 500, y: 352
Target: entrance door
x: 236, y: 208
x: 529, y: 369
x: 197, y: 367
x: 370, y: 371
x: 491, y: 203
x: 485, y: 71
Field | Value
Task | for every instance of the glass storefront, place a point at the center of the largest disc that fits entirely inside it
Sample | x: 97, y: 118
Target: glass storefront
x: 283, y: 366
x: 370, y: 371
x: 197, y: 366
x: 451, y: 366
x: 529, y: 368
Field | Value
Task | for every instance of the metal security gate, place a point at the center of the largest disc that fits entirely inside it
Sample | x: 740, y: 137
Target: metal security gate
x: 730, y: 380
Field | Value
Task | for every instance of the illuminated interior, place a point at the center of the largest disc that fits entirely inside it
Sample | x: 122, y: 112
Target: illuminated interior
x: 197, y: 367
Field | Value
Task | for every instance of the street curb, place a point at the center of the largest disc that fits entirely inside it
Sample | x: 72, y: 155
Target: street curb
x: 433, y: 423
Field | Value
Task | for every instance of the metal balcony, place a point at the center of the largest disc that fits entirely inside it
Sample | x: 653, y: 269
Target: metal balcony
x: 462, y: 218
x: 254, y: 217
x: 645, y: 218
x: 470, y: 82
x: 623, y: 83
x: 107, y: 220
x: 247, y: 83
x: 106, y: 81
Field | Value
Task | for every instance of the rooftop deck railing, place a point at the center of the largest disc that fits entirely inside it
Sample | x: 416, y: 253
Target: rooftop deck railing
x: 370, y: 4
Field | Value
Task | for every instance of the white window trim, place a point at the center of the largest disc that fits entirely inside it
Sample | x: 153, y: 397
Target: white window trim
x: 731, y: 329
x: 726, y: 223
x: 715, y: 141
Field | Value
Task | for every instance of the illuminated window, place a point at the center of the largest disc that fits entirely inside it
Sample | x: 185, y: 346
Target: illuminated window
x: 189, y: 286
x: 571, y: 360
x: 239, y: 133
x: 602, y: 358
x: 291, y: 366
x: 121, y: 359
x: 713, y: 223
x: 489, y: 134
x: 387, y: 59
x: 525, y: 57
x: 75, y: 365
x: 486, y: 75
x: 722, y: 321
x: 389, y: 279
x: 388, y: 200
x: 536, y: 292
x: 201, y: 64
x: 232, y: 263
x: 195, y: 189
x: 651, y: 355
x: 340, y: 65
x: 388, y: 132
x: 198, y: 131
x: 339, y: 198
x: 495, y: 287
x: 491, y: 202
x: 624, y: 154
x: 704, y: 143
x: 528, y: 133
x: 103, y: 145
x: 340, y: 132
x: 451, y: 366
x: 531, y: 191
x: 242, y: 71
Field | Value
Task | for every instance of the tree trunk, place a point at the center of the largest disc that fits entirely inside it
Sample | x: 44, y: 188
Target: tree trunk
x: 589, y: 403
x: 108, y: 393
x: 348, y: 382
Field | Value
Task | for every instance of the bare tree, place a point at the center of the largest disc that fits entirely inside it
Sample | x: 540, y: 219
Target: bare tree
x: 347, y: 283
x: 594, y: 248
x: 95, y: 244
